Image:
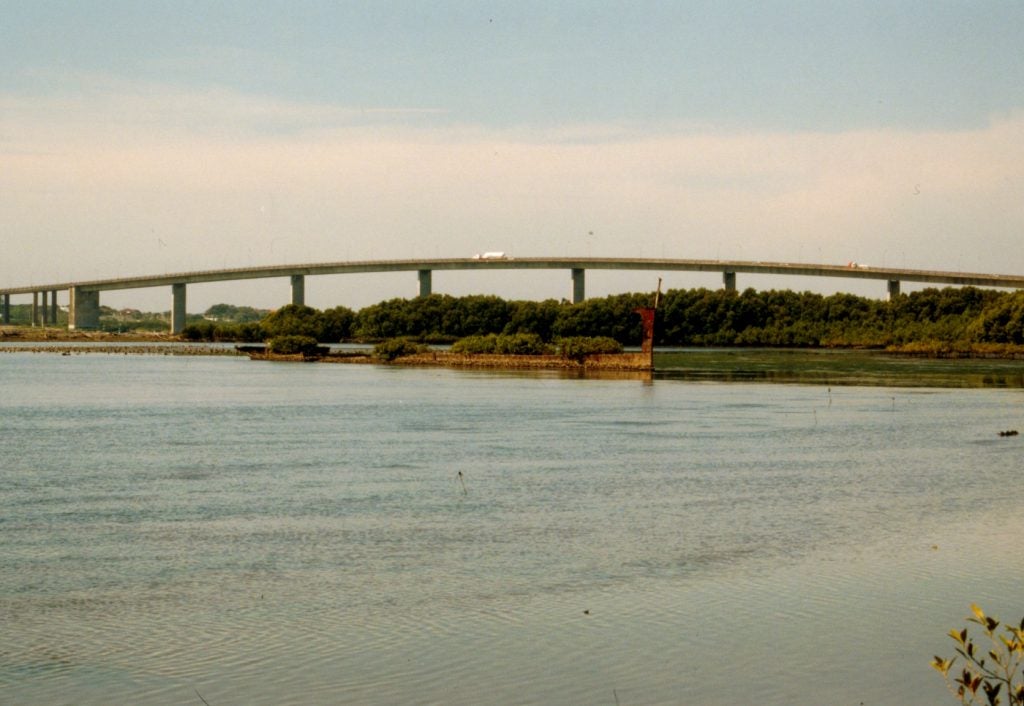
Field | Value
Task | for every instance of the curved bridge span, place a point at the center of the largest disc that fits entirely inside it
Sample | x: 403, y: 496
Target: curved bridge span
x: 84, y: 300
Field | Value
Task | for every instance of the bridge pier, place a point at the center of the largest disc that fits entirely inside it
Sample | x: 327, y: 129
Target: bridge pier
x: 424, y: 277
x: 894, y: 289
x: 729, y: 280
x: 83, y: 309
x: 178, y: 307
x: 299, y: 290
x: 53, y: 306
x: 5, y: 309
x: 41, y: 307
x: 578, y: 285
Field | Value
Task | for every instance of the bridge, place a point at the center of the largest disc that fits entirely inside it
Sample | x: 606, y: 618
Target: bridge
x: 84, y: 296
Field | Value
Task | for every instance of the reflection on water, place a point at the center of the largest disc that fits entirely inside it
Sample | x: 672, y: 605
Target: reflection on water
x: 275, y: 533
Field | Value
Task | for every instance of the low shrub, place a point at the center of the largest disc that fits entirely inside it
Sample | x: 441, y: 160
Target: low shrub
x: 247, y: 332
x: 579, y: 347
x: 475, y: 345
x: 291, y: 345
x: 199, y: 331
x: 502, y: 344
x: 520, y: 344
x: 396, y: 348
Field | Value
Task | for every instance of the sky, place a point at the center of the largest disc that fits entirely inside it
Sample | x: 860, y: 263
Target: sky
x: 151, y: 137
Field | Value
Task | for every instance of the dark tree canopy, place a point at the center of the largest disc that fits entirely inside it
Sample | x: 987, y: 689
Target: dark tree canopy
x: 685, y: 317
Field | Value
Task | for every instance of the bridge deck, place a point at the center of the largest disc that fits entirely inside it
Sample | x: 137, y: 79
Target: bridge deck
x: 571, y: 263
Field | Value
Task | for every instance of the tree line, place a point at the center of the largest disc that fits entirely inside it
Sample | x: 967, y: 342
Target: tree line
x: 685, y: 317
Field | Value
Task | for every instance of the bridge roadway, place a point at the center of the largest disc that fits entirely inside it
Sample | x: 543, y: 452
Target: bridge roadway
x: 84, y: 300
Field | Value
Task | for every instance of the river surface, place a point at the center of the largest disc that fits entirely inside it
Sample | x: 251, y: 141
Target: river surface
x: 181, y: 530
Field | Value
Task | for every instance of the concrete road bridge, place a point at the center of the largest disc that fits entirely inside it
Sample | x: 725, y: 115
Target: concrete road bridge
x: 84, y: 296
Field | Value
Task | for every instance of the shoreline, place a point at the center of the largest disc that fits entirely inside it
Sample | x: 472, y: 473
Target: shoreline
x: 170, y: 344
x: 25, y: 334
x: 125, y: 348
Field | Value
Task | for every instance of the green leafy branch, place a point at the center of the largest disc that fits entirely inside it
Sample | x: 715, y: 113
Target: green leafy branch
x: 993, y: 672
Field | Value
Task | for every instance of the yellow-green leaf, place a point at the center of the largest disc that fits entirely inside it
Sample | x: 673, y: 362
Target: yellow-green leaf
x: 942, y: 665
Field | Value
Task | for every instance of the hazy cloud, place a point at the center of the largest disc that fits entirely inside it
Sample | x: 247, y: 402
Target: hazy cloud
x: 226, y: 179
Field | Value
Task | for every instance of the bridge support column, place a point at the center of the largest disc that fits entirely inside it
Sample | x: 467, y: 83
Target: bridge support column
x: 894, y: 289
x: 178, y: 307
x: 35, y: 309
x: 5, y: 309
x: 83, y: 309
x: 729, y: 280
x: 425, y: 277
x: 579, y: 286
x: 299, y: 290
x: 53, y: 307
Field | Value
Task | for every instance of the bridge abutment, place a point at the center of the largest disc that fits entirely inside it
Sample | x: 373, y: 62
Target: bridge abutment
x: 83, y: 309
x: 424, y: 277
x: 178, y: 307
x: 299, y: 290
x: 578, y: 285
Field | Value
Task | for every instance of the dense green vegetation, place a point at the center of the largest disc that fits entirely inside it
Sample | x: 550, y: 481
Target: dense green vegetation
x: 21, y: 315
x: 503, y: 344
x: 934, y: 319
x: 328, y: 326
x: 235, y: 314
x: 111, y: 320
x: 221, y: 322
x: 702, y: 317
x: 579, y: 347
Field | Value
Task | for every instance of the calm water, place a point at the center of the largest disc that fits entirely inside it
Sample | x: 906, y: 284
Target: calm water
x: 179, y: 529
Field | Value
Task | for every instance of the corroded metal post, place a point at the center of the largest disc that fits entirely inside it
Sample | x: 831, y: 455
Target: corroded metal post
x: 647, y: 314
x: 647, y: 345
